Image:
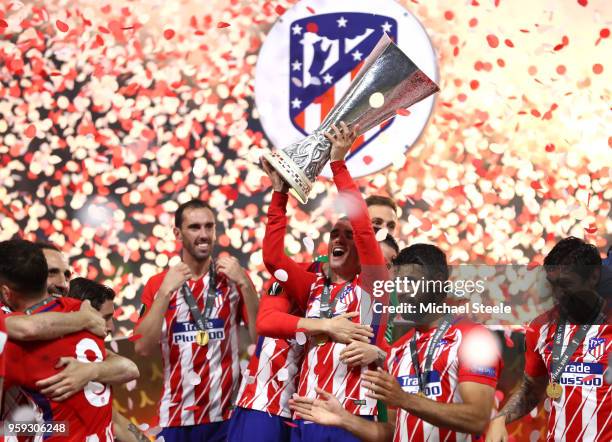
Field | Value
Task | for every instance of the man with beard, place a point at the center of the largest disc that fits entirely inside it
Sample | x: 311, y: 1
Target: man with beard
x: 355, y: 261
x: 59, y: 269
x: 567, y: 352
x: 435, y: 386
x: 194, y: 309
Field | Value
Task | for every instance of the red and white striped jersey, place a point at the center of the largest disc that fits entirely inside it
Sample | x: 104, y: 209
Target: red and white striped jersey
x: 451, y: 365
x: 322, y: 366
x: 584, y: 411
x: 199, y: 382
x: 271, y: 377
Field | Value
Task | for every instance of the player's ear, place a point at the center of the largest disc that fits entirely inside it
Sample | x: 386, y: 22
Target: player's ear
x: 177, y: 233
x: 4, y: 291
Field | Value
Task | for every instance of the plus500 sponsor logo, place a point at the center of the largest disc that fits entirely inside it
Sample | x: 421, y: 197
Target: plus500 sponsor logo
x: 185, y: 332
x: 582, y: 374
x: 410, y: 384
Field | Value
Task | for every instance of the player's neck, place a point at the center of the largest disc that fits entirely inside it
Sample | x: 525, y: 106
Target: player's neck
x: 20, y: 305
x: 430, y: 322
x: 198, y: 268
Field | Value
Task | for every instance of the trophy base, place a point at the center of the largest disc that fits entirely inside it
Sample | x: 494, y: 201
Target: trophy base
x: 299, y: 185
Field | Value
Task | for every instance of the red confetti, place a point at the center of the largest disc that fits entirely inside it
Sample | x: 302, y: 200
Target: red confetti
x: 583, y: 2
x: 367, y: 159
x: 134, y: 338
x: 279, y: 10
x: 30, y: 132
x: 222, y: 24
x: 312, y: 11
x: 63, y: 27
x: 509, y: 43
x: 597, y: 68
x: 99, y: 40
x: 588, y: 378
x: 532, y: 265
x: 312, y: 27
x: 168, y: 34
x: 449, y: 15
x: 290, y: 424
x: 403, y: 112
x: 610, y: 142
x: 536, y: 185
x: 473, y: 22
x: 192, y: 408
x: 550, y: 147
x: 604, y: 33
x: 561, y: 69
x: 509, y: 342
x: 592, y: 229
x: 474, y: 84
x: 3, y: 23
x: 492, y: 40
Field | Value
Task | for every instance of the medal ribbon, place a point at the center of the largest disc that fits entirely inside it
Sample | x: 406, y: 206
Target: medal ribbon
x: 38, y: 305
x: 561, y: 358
x: 211, y: 293
x: 326, y: 311
x: 433, y: 343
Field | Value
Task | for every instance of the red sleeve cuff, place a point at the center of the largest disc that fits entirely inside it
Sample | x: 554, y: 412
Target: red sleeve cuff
x: 337, y: 166
x: 279, y: 199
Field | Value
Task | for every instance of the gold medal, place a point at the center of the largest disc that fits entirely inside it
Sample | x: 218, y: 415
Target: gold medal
x: 421, y: 394
x: 321, y: 340
x: 554, y: 390
x: 201, y: 337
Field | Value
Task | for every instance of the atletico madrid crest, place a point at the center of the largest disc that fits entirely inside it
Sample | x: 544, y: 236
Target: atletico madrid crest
x: 597, y: 347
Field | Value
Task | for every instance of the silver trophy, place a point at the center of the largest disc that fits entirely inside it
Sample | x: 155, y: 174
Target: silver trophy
x: 387, y: 81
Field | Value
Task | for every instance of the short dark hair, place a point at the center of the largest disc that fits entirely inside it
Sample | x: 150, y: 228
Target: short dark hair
x: 42, y: 245
x: 581, y: 257
x: 381, y: 200
x: 23, y: 267
x: 429, y: 256
x: 192, y: 204
x: 92, y: 291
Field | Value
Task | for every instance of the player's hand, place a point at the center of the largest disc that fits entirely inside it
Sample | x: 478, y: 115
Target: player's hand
x: 92, y: 319
x: 342, y: 329
x: 361, y: 353
x: 230, y: 267
x: 69, y: 381
x: 175, y: 278
x: 383, y: 387
x: 278, y: 184
x: 341, y: 140
x: 325, y: 410
x: 497, y: 430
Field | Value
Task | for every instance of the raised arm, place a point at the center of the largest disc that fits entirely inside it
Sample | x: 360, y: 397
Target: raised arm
x: 371, y: 259
x: 298, y: 280
x: 52, y: 325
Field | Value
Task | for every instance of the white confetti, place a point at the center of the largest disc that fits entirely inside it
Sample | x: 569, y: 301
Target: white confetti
x: 377, y: 99
x: 251, y: 350
x: 309, y: 244
x: 283, y: 374
x: 300, y: 338
x: 381, y: 234
x: 195, y: 379
x: 281, y: 275
x: 130, y: 385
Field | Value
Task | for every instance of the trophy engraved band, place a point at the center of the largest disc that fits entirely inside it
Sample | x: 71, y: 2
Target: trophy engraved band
x: 387, y: 81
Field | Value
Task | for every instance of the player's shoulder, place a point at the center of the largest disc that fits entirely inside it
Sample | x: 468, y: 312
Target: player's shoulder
x: 548, y: 317
x: 67, y: 304
x: 155, y: 281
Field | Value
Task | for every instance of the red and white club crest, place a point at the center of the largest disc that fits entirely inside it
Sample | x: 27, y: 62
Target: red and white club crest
x: 308, y: 60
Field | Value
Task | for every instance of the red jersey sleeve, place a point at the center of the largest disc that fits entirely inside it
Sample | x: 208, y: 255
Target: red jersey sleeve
x: 534, y: 365
x: 484, y: 367
x: 371, y: 259
x: 3, y: 339
x: 274, y: 319
x: 148, y: 296
x: 298, y: 280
